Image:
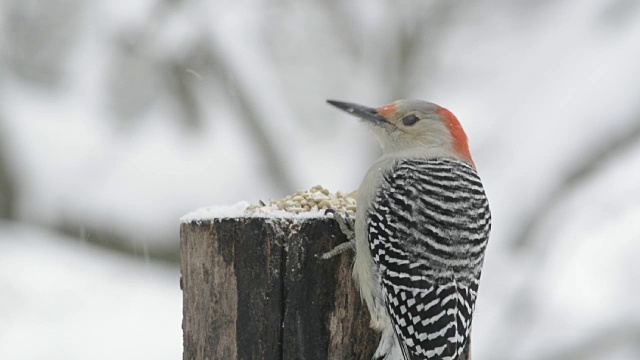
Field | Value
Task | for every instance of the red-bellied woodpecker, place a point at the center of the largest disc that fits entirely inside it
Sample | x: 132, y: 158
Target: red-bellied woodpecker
x: 421, y: 230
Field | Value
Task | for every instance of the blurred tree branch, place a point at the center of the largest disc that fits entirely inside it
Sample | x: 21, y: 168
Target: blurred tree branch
x: 143, y: 250
x: 425, y: 31
x: 180, y: 81
x: 524, y: 239
x: 8, y: 190
x: 179, y: 72
x: 37, y: 43
x: 238, y: 95
x: 423, y: 27
x: 520, y: 311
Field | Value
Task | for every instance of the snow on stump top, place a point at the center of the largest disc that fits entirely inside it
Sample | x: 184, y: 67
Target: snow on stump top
x: 301, y: 205
x: 253, y: 288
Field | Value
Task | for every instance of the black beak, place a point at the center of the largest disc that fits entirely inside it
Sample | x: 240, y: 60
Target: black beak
x: 363, y: 112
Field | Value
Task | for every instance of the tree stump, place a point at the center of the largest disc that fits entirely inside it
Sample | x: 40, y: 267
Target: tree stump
x: 254, y: 289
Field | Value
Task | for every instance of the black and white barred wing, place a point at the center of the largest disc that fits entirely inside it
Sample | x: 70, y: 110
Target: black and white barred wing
x: 428, y: 230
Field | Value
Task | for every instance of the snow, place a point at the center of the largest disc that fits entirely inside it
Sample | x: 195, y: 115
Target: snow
x: 62, y: 299
x: 216, y: 212
x: 539, y: 87
x: 240, y: 210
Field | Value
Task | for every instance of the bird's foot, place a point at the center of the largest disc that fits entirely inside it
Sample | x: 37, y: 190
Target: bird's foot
x: 347, y: 227
x: 346, y: 246
x: 346, y: 223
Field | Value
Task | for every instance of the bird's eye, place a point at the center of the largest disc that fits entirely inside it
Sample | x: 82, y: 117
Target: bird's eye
x: 410, y: 120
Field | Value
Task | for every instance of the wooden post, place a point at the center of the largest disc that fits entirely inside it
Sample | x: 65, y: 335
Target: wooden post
x: 253, y: 289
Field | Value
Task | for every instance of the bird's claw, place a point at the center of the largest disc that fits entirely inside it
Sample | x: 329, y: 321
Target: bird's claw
x: 345, y: 246
x: 346, y: 225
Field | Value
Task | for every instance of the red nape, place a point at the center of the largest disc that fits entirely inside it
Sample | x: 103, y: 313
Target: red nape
x: 460, y: 141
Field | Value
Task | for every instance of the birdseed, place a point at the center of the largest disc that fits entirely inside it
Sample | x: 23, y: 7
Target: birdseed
x: 315, y: 199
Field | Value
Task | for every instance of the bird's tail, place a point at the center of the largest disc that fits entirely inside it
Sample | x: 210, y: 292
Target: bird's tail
x: 392, y: 349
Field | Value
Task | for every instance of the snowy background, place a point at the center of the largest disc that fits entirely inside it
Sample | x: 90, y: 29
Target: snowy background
x: 118, y: 117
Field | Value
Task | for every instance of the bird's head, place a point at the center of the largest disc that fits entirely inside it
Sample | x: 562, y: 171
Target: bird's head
x: 413, y: 126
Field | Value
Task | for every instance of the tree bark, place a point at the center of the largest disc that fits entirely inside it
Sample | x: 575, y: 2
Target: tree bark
x: 253, y: 289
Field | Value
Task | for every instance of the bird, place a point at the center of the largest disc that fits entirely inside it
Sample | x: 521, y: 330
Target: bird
x: 421, y: 230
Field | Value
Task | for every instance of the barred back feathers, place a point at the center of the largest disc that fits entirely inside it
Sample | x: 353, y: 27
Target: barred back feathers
x: 428, y: 228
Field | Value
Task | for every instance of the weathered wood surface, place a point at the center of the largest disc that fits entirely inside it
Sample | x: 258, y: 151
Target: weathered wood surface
x: 253, y: 289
